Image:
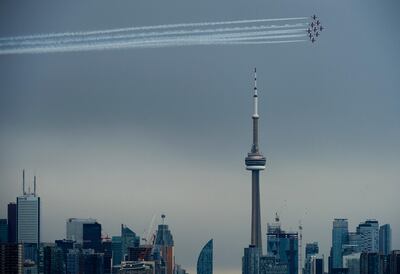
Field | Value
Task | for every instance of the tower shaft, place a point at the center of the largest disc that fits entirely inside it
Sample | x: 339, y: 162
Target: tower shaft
x: 255, y: 162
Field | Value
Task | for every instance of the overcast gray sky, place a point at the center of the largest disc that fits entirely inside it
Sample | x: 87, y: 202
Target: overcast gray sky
x: 122, y: 135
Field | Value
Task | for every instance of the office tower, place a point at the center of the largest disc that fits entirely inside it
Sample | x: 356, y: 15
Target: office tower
x: 12, y: 222
x: 270, y: 265
x: 385, y: 239
x: 91, y: 262
x: 251, y: 260
x: 369, y: 232
x: 311, y: 250
x: 255, y: 162
x: 106, y: 249
x: 283, y: 245
x: 369, y: 263
x: 384, y: 264
x: 75, y: 229
x: 205, y: 260
x: 28, y: 221
x: 53, y: 260
x: 317, y: 265
x: 91, y: 234
x: 395, y: 261
x: 165, y: 243
x: 11, y: 258
x: 116, y: 246
x: 339, y: 238
x: 352, y: 263
x: 129, y: 239
x: 3, y: 231
x: 73, y: 259
x: 353, y: 244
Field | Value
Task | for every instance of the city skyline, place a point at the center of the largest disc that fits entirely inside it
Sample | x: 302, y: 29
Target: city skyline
x: 153, y: 130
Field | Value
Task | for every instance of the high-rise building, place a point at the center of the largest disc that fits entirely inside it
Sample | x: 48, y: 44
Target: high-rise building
x: 75, y: 229
x: 385, y: 239
x: 73, y: 260
x: 205, y: 260
x: 165, y: 243
x: 317, y: 265
x: 28, y: 221
x: 91, y: 234
x: 283, y: 245
x: 369, y: 233
x: 339, y: 238
x: 271, y: 265
x: 53, y: 260
x: 352, y: 263
x: 311, y: 250
x: 3, y: 231
x: 255, y: 162
x: 369, y: 263
x: 116, y: 246
x: 128, y: 239
x: 12, y: 222
x: 11, y: 258
x: 91, y: 262
x: 395, y: 261
x: 251, y: 260
x: 106, y: 249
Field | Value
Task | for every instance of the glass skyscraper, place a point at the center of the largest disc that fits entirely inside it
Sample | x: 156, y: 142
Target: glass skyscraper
x: 128, y: 239
x: 205, y: 260
x: 369, y: 233
x: 339, y: 238
x: 251, y: 260
x: 385, y: 239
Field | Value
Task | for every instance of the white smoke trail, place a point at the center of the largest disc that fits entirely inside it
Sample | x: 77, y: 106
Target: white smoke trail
x: 68, y: 39
x: 168, y: 26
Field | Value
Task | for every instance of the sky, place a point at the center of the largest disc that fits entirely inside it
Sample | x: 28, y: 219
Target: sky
x: 123, y: 135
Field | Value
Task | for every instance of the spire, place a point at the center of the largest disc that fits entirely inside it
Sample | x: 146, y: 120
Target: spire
x: 23, y: 181
x: 34, y: 185
x: 255, y: 115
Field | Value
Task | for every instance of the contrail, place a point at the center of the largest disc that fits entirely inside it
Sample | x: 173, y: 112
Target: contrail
x: 238, y: 32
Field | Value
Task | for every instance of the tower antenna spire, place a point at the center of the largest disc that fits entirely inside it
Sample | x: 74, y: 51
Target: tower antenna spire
x: 34, y: 185
x: 23, y: 181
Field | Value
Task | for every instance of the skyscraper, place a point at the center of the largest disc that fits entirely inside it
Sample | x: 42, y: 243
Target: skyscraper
x: 311, y: 250
x: 11, y: 258
x: 128, y: 239
x: 116, y: 246
x: 3, y: 231
x: 385, y: 239
x: 12, y: 222
x: 205, y: 260
x: 75, y: 229
x: 92, y: 236
x: 165, y: 243
x: 339, y: 238
x: 283, y: 245
x: 369, y: 263
x: 369, y: 232
x: 255, y: 162
x: 251, y: 260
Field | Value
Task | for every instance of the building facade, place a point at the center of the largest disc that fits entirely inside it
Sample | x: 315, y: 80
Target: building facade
x: 385, y: 239
x: 205, y: 260
x: 251, y: 260
x: 12, y: 222
x: 11, y: 258
x: 74, y: 227
x: 369, y: 233
x: 339, y: 238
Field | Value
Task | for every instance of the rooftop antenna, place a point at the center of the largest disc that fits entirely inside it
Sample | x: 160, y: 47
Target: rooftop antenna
x: 23, y: 181
x: 34, y: 185
x: 163, y: 218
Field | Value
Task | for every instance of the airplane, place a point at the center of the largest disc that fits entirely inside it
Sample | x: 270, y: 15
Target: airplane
x: 314, y: 17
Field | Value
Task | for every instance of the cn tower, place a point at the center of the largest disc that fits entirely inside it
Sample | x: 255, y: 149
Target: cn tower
x: 255, y: 162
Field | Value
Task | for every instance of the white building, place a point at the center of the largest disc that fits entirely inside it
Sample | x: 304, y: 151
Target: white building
x: 369, y: 233
x: 28, y: 219
x: 75, y: 228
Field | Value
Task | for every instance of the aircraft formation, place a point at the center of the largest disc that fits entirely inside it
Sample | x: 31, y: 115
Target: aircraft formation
x: 314, y: 28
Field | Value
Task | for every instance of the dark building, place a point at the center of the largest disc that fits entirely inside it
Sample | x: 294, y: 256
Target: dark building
x: 53, y: 260
x: 395, y: 262
x: 311, y: 250
x: 106, y: 249
x: 251, y: 260
x: 369, y: 263
x: 3, y: 231
x: 11, y: 258
x: 12, y: 222
x: 91, y: 263
x: 92, y: 236
x: 140, y: 253
x: 317, y: 266
x: 128, y: 239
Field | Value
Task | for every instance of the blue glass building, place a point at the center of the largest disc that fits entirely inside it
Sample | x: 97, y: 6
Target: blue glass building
x: 205, y: 260
x: 340, y: 232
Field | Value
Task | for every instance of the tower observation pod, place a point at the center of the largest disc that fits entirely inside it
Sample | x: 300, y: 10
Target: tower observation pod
x: 255, y: 162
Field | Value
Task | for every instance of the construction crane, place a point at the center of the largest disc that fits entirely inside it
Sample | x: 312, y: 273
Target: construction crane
x: 149, y: 237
